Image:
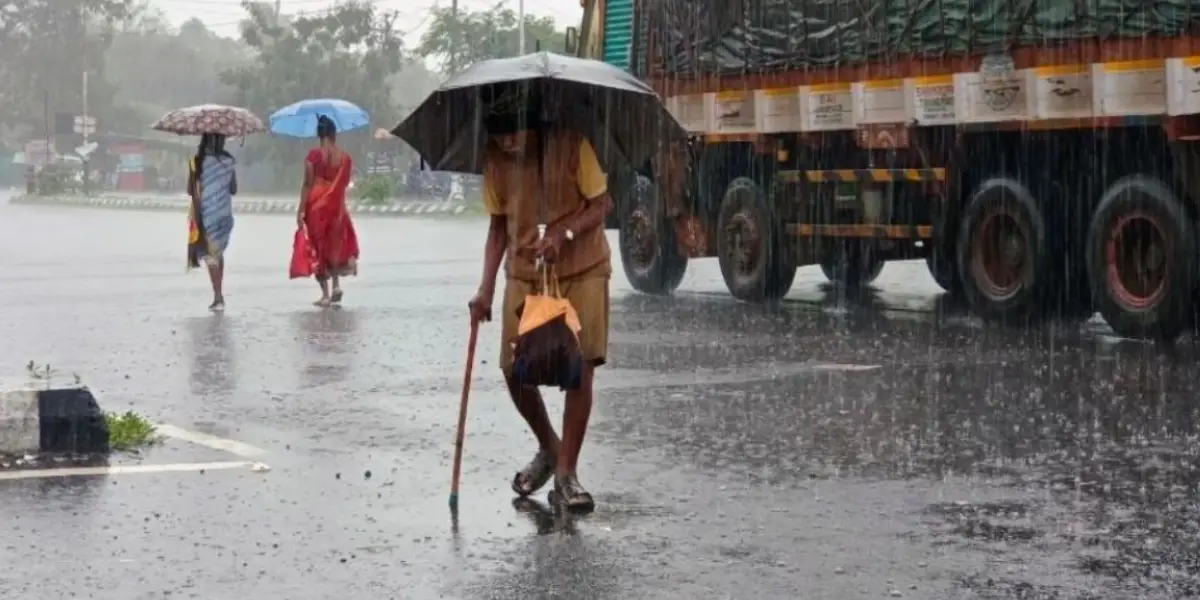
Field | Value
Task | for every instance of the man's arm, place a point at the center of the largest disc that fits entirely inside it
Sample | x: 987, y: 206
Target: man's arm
x: 593, y: 184
x: 594, y: 214
x: 493, y: 253
x: 497, y: 237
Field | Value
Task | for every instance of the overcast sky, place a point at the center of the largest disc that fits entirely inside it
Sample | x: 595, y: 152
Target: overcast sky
x: 223, y: 15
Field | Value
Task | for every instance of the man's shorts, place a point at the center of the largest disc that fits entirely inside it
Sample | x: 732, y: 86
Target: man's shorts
x: 589, y: 296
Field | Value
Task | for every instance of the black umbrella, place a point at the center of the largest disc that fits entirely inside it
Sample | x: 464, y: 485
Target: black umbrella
x: 621, y: 115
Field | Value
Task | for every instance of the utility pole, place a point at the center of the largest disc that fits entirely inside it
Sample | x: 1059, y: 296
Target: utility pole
x: 36, y: 181
x: 46, y: 116
x: 521, y: 27
x: 86, y: 127
x: 453, y: 37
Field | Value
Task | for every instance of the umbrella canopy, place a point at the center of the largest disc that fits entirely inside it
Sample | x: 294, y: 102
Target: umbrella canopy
x: 300, y: 119
x: 231, y: 121
x: 621, y: 115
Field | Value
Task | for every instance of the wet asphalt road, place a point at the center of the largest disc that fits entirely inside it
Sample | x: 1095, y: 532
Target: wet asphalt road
x: 881, y: 446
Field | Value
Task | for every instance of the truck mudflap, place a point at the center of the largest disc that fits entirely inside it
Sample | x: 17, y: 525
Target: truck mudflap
x: 863, y: 175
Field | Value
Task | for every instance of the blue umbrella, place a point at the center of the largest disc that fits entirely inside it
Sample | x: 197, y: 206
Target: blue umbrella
x: 300, y: 119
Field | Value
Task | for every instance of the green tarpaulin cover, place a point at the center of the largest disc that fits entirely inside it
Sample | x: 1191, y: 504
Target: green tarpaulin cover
x: 735, y: 36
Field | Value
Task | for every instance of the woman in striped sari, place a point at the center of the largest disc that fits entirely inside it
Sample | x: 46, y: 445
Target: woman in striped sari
x: 212, y: 183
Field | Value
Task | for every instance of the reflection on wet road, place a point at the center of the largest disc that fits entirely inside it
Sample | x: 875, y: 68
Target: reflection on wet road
x: 877, y: 446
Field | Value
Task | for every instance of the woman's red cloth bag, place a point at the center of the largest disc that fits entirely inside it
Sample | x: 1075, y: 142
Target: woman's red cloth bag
x: 304, y: 259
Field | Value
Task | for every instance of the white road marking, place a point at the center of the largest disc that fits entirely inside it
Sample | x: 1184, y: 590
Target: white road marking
x: 124, y: 470
x: 637, y: 378
x: 844, y: 367
x: 234, y: 447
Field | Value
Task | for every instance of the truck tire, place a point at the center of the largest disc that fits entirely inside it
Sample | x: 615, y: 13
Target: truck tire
x: 1001, y: 252
x: 941, y: 259
x: 851, y: 265
x: 1141, y: 250
x: 650, y: 255
x: 753, y: 249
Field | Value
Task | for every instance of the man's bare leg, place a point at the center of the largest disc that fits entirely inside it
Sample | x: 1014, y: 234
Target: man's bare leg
x: 575, y: 422
x: 567, y: 488
x: 529, y: 403
x: 533, y: 409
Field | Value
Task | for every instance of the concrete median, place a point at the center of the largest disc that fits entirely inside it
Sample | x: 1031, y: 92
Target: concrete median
x: 51, y: 417
x: 260, y: 206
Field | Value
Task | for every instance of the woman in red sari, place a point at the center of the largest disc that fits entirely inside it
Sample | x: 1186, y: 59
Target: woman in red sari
x: 323, y: 213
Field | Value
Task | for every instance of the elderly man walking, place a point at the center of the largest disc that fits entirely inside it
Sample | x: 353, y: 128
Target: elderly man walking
x: 576, y: 204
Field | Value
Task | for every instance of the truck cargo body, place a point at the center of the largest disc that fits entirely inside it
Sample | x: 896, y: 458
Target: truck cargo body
x: 1037, y: 154
x: 734, y: 37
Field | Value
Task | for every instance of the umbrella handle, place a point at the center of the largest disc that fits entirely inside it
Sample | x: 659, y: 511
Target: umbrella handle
x: 540, y: 262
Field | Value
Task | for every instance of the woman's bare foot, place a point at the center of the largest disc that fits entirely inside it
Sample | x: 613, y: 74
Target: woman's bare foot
x: 323, y: 302
x: 218, y: 304
x: 336, y: 298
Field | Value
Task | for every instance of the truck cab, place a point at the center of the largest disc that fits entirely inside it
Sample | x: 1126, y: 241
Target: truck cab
x: 606, y: 33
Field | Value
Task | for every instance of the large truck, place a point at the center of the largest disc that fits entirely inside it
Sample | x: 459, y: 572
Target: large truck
x: 1039, y: 155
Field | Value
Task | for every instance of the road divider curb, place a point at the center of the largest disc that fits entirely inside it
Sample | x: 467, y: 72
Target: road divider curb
x: 404, y: 209
x: 48, y: 417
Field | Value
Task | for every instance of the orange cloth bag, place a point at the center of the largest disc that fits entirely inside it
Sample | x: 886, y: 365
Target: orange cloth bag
x: 546, y: 351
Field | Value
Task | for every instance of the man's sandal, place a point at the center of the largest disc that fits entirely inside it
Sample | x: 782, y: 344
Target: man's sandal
x: 533, y: 476
x: 569, y: 494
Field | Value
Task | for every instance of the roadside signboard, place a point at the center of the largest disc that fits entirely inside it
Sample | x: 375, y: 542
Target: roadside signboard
x: 38, y: 153
x: 85, y: 125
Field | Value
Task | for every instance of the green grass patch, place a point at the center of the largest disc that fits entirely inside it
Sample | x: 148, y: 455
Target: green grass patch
x: 129, y: 431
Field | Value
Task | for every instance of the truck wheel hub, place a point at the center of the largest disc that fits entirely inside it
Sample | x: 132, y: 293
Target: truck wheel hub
x: 999, y: 254
x: 1013, y: 250
x: 1137, y: 261
x: 745, y: 242
x: 642, y: 238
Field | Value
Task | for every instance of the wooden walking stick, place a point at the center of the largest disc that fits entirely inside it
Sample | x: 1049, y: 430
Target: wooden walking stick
x: 462, y: 416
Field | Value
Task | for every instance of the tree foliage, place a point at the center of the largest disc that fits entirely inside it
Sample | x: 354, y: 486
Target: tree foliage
x: 46, y: 45
x: 349, y: 52
x: 155, y: 69
x: 462, y: 40
x: 346, y: 53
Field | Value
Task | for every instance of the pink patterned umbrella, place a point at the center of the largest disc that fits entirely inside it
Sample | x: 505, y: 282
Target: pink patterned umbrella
x: 230, y: 121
